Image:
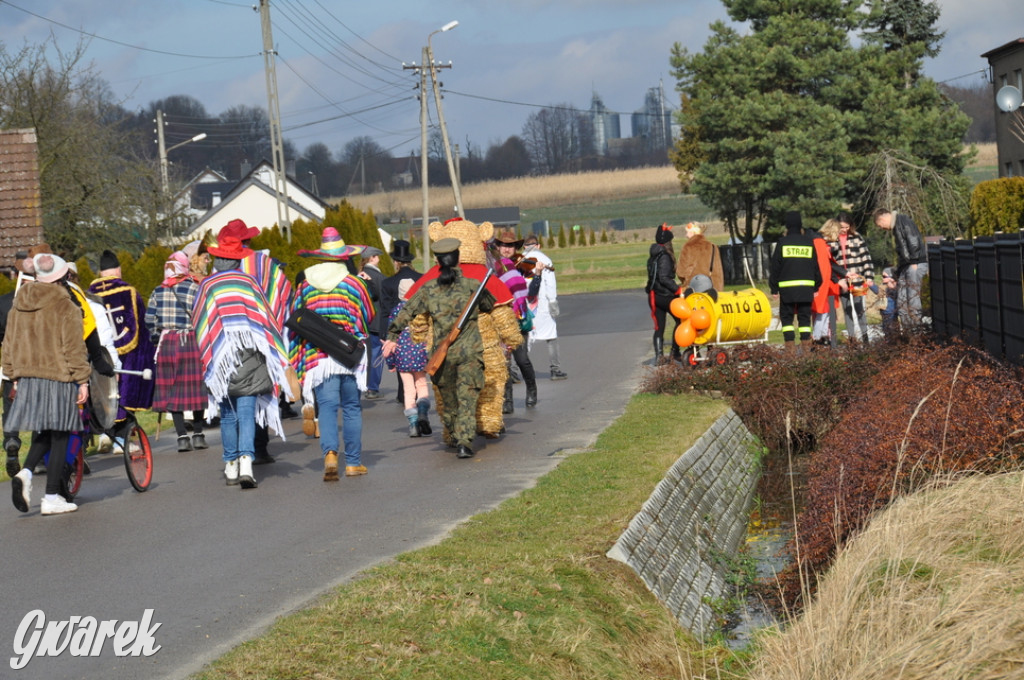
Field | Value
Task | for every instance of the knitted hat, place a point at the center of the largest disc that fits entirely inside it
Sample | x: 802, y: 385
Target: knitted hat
x: 794, y: 224
x: 332, y: 247
x: 403, y: 288
x: 108, y: 260
x: 49, y: 268
x: 664, y: 234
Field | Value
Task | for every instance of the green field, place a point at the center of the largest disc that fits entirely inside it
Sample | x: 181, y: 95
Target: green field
x: 638, y: 213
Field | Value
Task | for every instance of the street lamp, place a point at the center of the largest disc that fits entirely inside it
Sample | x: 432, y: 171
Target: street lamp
x: 428, y: 58
x: 163, y: 158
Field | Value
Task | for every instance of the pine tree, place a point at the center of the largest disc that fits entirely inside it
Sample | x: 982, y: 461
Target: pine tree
x: 789, y: 114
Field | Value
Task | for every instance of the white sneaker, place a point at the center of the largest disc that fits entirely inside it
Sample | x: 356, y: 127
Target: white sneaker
x: 104, y: 444
x: 117, y: 447
x: 57, y: 507
x: 245, y: 477
x: 231, y: 472
x: 21, y: 489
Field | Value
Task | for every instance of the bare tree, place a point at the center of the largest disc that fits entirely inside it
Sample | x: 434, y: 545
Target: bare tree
x: 556, y: 137
x: 898, y: 183
x: 97, y: 191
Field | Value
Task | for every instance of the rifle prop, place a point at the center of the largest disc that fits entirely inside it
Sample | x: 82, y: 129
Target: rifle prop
x: 437, y: 358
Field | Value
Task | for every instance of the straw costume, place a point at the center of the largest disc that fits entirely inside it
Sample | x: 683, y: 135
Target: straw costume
x: 498, y: 328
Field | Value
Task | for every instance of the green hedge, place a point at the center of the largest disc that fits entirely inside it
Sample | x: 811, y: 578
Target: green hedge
x: 997, y: 205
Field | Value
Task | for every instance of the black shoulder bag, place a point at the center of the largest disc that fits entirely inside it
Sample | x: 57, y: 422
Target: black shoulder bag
x: 328, y: 337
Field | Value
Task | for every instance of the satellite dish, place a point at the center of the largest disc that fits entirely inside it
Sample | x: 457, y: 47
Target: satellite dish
x: 1008, y: 98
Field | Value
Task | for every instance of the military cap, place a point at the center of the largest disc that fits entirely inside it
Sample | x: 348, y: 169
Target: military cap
x: 446, y: 245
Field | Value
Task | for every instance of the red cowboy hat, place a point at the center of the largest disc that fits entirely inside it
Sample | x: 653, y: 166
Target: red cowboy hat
x: 229, y: 247
x: 239, y: 230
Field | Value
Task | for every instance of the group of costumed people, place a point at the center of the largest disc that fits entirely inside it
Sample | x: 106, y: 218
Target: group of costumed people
x: 218, y: 347
x: 814, y: 273
x: 697, y: 270
x: 45, y: 379
x: 470, y: 385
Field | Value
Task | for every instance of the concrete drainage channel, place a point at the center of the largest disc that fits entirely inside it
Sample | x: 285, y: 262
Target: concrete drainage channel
x: 685, y: 542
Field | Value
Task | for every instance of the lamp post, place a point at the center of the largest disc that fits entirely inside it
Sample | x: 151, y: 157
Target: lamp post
x: 163, y: 159
x: 428, y: 58
x: 163, y: 150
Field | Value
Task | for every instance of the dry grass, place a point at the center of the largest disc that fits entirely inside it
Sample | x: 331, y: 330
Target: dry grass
x: 987, y: 156
x: 528, y: 192
x: 930, y: 590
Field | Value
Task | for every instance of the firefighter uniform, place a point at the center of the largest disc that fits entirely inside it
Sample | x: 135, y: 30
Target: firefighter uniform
x: 794, y: 277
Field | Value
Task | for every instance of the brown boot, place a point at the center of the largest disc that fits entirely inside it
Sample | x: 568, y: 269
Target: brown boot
x: 331, y: 466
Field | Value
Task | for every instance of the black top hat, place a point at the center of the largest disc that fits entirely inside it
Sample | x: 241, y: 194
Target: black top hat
x: 401, y: 251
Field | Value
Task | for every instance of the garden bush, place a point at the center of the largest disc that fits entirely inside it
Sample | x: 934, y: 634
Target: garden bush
x: 935, y: 410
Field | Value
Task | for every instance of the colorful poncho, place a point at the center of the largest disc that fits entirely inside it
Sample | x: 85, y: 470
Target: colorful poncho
x: 271, y: 279
x: 231, y: 313
x: 344, y: 300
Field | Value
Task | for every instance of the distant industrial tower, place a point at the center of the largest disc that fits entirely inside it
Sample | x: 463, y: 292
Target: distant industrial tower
x: 653, y: 123
x: 605, y: 124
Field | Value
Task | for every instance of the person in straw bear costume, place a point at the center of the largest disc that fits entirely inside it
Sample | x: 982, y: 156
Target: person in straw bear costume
x: 498, y: 329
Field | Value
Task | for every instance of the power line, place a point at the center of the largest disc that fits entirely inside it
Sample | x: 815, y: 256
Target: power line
x: 983, y: 72
x: 317, y: 24
x: 345, y: 26
x: 118, y: 42
x: 554, y: 107
x: 344, y: 115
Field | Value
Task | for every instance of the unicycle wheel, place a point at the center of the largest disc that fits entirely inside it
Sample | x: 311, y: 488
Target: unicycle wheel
x: 138, y: 459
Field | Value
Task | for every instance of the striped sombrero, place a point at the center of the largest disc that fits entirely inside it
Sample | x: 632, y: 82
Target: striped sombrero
x: 332, y: 247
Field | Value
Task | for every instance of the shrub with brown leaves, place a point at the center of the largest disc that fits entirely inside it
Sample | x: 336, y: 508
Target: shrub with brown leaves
x: 934, y: 410
x: 812, y: 388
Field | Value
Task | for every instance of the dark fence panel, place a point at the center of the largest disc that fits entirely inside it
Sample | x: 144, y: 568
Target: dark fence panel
x: 757, y: 257
x: 967, y: 274
x: 1011, y: 294
x: 987, y: 276
x: 937, y: 279
x: 977, y: 292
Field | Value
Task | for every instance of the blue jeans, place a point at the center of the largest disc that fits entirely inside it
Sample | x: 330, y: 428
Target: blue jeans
x: 340, y: 392
x: 238, y: 427
x: 376, y: 368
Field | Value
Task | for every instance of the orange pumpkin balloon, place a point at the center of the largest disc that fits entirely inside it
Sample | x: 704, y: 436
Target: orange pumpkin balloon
x: 685, y: 334
x: 679, y: 309
x: 700, y: 318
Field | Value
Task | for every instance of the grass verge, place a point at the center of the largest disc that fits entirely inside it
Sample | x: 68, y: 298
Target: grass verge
x: 521, y: 591
x: 929, y: 591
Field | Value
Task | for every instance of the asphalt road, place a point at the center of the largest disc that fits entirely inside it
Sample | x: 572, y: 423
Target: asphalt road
x: 217, y: 565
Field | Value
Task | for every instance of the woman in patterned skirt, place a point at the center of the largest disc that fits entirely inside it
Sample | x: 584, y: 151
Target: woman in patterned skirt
x: 410, y: 360
x: 46, y: 358
x: 179, y: 370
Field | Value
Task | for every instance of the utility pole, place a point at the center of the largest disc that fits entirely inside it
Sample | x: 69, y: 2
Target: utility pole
x: 274, y: 113
x: 161, y: 146
x: 444, y: 130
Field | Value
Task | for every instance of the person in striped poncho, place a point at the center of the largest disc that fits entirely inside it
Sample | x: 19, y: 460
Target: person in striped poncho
x: 243, y: 355
x: 333, y: 291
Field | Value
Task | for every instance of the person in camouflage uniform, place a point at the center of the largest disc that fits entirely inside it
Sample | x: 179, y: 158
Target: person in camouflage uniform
x: 460, y: 378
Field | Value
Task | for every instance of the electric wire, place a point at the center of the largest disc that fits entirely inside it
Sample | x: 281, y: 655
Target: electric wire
x: 123, y: 44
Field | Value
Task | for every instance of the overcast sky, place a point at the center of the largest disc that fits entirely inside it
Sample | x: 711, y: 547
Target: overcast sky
x: 340, y: 69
